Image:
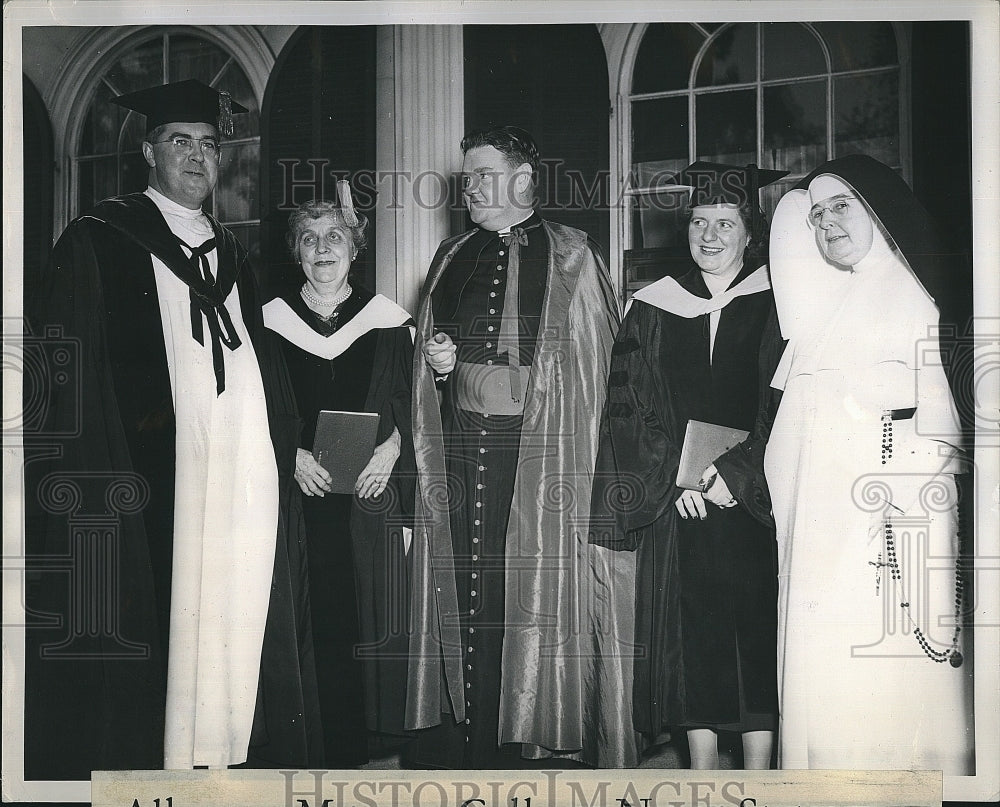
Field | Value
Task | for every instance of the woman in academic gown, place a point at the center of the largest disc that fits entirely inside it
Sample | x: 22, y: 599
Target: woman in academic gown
x: 701, y: 347
x: 861, y: 465
x: 350, y: 351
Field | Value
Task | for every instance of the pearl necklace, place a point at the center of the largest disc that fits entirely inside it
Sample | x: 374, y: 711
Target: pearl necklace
x: 316, y: 302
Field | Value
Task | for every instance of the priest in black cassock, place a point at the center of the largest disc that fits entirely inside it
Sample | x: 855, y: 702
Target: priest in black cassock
x: 513, y: 654
x: 167, y: 629
x: 702, y: 346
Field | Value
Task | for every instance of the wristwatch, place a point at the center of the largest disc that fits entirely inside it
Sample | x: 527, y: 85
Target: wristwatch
x: 707, y: 483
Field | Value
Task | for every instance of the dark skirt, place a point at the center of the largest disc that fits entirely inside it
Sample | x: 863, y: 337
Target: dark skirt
x: 383, y: 582
x: 728, y: 622
x: 334, y: 608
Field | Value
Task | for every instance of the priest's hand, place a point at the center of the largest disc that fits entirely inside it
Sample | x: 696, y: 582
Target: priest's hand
x: 439, y: 353
x: 374, y: 478
x: 691, y: 504
x: 312, y: 477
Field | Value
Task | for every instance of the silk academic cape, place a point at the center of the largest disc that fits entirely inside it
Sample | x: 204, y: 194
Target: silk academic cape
x: 566, y: 666
x: 101, y: 706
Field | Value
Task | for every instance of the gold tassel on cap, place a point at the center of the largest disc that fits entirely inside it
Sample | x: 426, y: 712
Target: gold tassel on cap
x: 225, y: 113
x: 346, y: 203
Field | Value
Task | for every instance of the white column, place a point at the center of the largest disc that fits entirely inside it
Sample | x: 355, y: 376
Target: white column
x: 421, y: 119
x: 621, y: 43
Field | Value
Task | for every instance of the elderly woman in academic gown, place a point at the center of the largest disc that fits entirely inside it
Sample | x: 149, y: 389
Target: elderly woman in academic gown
x: 702, y: 347
x: 860, y: 464
x: 350, y: 351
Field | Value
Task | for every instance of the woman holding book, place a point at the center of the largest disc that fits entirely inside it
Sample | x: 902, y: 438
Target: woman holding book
x: 350, y: 351
x: 861, y: 464
x: 701, y: 346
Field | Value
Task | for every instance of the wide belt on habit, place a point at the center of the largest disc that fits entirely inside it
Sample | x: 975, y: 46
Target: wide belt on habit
x: 486, y: 388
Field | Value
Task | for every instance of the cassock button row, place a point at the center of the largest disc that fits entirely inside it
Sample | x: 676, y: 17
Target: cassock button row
x: 474, y: 557
x: 490, y: 328
x: 471, y: 649
x: 468, y: 667
x: 501, y: 252
x: 483, y: 432
x: 474, y: 576
x: 480, y: 485
x: 475, y: 540
x: 472, y: 612
x: 482, y: 451
x: 477, y: 522
x: 493, y: 310
x: 479, y: 504
x: 468, y: 685
x: 499, y: 268
x: 489, y: 361
x: 473, y: 592
x: 482, y: 467
x: 489, y: 344
x: 467, y: 721
x: 472, y: 630
x: 496, y: 281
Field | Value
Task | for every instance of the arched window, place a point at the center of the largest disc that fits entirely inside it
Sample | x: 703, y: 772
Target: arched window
x: 107, y: 160
x: 319, y: 124
x: 566, y: 114
x: 784, y: 95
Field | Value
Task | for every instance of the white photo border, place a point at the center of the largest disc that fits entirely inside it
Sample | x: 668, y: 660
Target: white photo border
x: 984, y: 19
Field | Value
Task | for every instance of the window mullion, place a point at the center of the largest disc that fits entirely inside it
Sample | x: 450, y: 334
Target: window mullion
x: 221, y: 71
x: 829, y: 119
x: 166, y: 58
x: 759, y: 156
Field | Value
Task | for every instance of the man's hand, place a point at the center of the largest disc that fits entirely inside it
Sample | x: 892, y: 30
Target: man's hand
x: 374, y: 478
x: 439, y: 353
x: 311, y: 476
x: 691, y: 505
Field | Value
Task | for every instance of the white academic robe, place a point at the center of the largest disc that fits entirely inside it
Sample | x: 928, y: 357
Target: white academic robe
x: 225, y: 522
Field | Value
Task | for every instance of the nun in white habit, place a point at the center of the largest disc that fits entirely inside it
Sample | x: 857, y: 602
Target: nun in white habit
x: 860, y: 465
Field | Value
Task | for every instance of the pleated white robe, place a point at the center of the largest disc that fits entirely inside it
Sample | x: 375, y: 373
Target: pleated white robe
x: 856, y: 690
x: 225, y: 522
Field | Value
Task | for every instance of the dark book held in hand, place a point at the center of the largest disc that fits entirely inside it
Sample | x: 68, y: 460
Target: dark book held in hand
x: 704, y: 443
x: 345, y: 442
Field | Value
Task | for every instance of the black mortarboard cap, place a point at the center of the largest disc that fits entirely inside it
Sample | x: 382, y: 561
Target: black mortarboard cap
x: 188, y: 101
x: 716, y: 184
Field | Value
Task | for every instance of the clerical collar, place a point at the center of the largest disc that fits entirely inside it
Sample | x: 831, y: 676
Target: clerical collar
x: 506, y: 230
x: 169, y: 206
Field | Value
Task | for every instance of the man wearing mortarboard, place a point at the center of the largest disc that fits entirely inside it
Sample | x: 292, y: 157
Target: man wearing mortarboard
x: 196, y: 653
x: 701, y: 346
